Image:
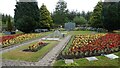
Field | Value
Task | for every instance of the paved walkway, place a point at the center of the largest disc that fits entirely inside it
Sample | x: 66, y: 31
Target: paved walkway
x: 51, y: 56
x: 47, y: 60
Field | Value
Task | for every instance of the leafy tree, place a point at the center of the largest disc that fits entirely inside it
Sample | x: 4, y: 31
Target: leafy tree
x: 80, y: 20
x: 45, y: 18
x: 9, y: 24
x: 106, y: 15
x: 111, y: 15
x: 96, y: 17
x: 88, y: 15
x: 119, y: 12
x: 60, y: 13
x: 83, y: 14
x: 71, y: 15
x: 29, y: 11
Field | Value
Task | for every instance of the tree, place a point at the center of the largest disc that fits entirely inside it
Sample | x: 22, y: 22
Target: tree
x: 60, y: 13
x: 45, y: 18
x: 83, y: 14
x: 26, y: 10
x: 96, y: 17
x: 111, y: 13
x: 88, y: 15
x: 71, y: 15
x: 26, y: 24
x: 4, y: 18
x: 9, y: 24
x: 80, y: 20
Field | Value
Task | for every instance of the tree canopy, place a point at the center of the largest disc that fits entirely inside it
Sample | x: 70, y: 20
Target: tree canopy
x: 80, y: 20
x: 29, y: 11
x: 111, y: 15
x: 45, y: 18
x: 60, y: 13
x: 106, y: 15
x: 96, y: 17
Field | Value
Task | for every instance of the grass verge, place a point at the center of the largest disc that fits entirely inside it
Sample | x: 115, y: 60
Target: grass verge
x: 102, y: 61
x: 18, y: 54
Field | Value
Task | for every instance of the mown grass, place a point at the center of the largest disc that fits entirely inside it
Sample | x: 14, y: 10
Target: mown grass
x: 68, y: 45
x: 102, y: 61
x: 19, y: 54
x: 19, y: 32
x: 0, y: 34
x: 80, y: 32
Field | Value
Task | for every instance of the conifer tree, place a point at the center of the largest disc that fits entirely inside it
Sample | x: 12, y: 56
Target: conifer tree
x: 60, y: 13
x: 9, y: 24
x: 29, y: 11
x: 96, y: 17
x: 45, y: 18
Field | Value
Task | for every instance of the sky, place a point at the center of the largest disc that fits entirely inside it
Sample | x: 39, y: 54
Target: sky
x: 8, y: 6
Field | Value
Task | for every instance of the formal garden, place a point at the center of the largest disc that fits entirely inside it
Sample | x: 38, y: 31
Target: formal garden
x: 62, y: 38
x: 86, y: 45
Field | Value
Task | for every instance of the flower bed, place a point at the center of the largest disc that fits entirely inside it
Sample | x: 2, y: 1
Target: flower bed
x: 4, y: 38
x: 35, y: 47
x: 14, y: 39
x: 91, y: 45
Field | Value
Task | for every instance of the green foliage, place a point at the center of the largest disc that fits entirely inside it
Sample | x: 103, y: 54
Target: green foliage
x: 6, y: 22
x: 111, y: 15
x: 71, y: 15
x: 9, y: 24
x: 29, y: 11
x: 5, y: 18
x: 88, y: 14
x: 72, y: 64
x: 45, y: 18
x: 83, y: 14
x: 26, y: 24
x: 106, y: 15
x: 96, y: 17
x: 60, y: 13
x: 79, y: 20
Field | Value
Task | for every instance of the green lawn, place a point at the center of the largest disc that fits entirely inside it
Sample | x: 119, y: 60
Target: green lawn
x: 80, y: 32
x: 102, y: 61
x: 19, y: 32
x: 68, y: 45
x: 0, y: 34
x: 18, y: 54
x: 117, y: 31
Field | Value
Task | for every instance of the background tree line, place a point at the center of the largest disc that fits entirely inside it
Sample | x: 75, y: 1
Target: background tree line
x: 106, y: 15
x: 7, y: 22
x: 62, y: 15
x: 28, y: 16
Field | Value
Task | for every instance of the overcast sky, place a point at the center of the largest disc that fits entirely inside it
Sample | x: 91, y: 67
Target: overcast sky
x: 8, y: 6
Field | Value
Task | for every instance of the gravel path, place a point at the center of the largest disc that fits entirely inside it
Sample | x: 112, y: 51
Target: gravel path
x: 47, y: 60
